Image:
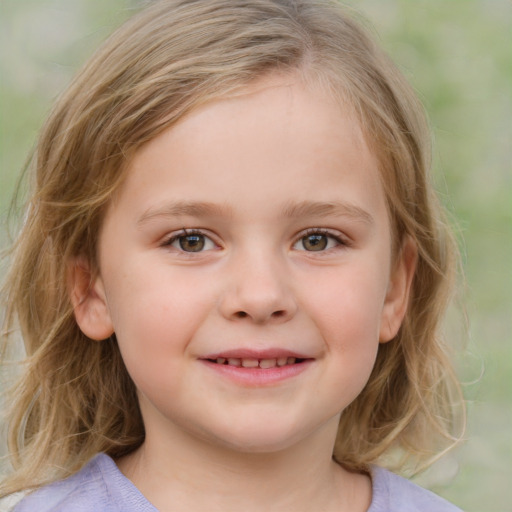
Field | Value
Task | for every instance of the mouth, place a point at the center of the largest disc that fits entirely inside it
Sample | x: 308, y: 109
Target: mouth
x: 258, y: 368
x: 262, y: 363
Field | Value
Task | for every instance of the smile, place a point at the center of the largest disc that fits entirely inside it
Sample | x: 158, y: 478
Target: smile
x: 257, y: 368
x: 256, y: 363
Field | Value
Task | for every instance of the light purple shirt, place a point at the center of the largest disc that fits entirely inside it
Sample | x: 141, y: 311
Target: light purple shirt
x: 101, y: 487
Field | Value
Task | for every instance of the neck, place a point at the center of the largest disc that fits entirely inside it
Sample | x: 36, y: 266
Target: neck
x: 192, y: 474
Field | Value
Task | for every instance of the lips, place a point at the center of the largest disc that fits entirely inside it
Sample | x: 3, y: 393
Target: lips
x: 258, y: 367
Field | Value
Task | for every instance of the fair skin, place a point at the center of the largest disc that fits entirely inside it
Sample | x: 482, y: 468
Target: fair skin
x: 246, y: 269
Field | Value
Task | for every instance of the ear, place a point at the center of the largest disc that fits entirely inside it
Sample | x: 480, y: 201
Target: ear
x: 88, y: 299
x: 397, y: 296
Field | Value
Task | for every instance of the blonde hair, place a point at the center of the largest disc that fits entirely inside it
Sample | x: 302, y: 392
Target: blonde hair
x: 75, y: 397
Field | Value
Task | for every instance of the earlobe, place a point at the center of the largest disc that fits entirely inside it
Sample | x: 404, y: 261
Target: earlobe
x: 87, y: 296
x: 397, y: 297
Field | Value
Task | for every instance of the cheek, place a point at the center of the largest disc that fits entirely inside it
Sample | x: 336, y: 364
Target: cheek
x: 155, y: 314
x: 347, y: 305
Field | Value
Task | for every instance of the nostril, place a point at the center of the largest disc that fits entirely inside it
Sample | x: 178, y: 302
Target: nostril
x: 281, y: 313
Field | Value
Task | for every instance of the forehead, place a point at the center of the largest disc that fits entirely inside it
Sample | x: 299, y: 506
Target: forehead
x: 277, y: 140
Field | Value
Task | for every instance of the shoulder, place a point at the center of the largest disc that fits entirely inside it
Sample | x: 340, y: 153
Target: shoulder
x: 392, y: 493
x: 99, y: 486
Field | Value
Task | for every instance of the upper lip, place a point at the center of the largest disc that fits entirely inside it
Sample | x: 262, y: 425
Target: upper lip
x: 243, y: 353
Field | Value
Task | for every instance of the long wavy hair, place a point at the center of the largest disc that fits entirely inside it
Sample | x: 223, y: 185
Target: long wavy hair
x: 75, y: 397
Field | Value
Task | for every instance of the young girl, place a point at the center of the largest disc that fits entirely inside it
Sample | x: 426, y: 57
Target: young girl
x: 231, y: 273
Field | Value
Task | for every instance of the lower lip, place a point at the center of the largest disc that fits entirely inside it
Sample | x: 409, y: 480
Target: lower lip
x: 258, y: 376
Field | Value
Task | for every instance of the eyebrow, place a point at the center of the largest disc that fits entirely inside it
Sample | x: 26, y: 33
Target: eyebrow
x: 295, y: 210
x: 332, y: 208
x: 183, y: 209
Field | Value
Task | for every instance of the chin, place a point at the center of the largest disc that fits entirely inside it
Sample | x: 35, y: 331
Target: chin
x: 258, y: 439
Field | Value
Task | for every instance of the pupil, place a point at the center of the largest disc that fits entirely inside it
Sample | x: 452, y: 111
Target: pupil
x: 314, y: 242
x: 192, y: 243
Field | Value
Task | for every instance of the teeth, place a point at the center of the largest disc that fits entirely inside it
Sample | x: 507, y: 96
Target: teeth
x: 255, y: 363
x: 250, y: 363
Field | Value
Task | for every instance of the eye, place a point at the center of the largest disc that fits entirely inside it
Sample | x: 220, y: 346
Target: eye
x: 317, y: 241
x: 191, y: 241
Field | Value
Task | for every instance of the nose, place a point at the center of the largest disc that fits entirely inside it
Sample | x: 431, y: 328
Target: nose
x: 258, y: 290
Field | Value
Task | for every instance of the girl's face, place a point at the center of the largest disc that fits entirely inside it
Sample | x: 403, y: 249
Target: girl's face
x: 246, y: 269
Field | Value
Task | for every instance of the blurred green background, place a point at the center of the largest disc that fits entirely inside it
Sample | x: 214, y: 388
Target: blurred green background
x: 457, y: 54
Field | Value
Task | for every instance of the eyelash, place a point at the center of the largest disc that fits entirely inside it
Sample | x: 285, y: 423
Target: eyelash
x: 340, y: 240
x: 174, y: 237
